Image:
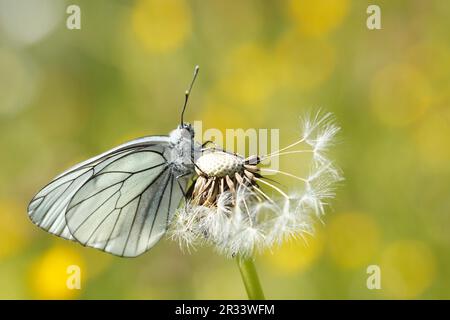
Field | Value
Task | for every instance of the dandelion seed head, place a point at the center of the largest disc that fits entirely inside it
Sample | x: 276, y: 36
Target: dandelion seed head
x: 239, y: 212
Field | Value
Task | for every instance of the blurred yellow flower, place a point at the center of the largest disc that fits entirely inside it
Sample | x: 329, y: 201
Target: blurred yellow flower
x: 249, y: 74
x: 161, y: 25
x: 12, y: 227
x: 353, y: 239
x: 400, y: 94
x: 297, y: 256
x: 407, y: 269
x: 317, y: 18
x: 48, y: 275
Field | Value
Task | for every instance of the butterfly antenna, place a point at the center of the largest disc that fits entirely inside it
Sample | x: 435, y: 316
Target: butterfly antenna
x: 188, y: 92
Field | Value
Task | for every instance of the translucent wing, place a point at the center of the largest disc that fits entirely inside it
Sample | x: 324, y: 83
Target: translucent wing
x: 125, y: 208
x: 47, y: 209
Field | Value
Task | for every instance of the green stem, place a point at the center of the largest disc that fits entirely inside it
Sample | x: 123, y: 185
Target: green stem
x: 250, y: 278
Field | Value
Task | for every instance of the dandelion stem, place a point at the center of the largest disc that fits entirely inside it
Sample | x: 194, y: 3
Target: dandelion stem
x: 250, y: 278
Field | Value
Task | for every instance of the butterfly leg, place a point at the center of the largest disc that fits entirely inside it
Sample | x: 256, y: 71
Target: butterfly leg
x: 209, y: 142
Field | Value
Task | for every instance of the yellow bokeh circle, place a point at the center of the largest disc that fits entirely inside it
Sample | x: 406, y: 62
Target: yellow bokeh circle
x: 161, y: 25
x: 249, y: 75
x: 317, y: 18
x: 407, y: 269
x: 49, y: 274
x: 296, y: 256
x: 353, y: 239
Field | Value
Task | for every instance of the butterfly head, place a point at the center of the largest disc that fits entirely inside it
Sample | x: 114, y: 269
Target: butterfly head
x: 182, y: 134
x: 186, y: 130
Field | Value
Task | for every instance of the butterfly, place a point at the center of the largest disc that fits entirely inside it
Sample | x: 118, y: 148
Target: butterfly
x: 122, y: 200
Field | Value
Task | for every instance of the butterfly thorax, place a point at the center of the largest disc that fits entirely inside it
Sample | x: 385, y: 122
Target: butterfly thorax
x: 184, y: 149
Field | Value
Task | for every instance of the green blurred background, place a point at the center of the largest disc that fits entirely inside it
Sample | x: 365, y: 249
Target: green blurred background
x: 66, y: 95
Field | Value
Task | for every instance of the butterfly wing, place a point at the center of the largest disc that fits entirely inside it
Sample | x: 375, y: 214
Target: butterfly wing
x: 47, y: 209
x: 124, y: 209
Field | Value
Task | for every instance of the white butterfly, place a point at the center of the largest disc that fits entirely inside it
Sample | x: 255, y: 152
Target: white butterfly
x: 121, y: 201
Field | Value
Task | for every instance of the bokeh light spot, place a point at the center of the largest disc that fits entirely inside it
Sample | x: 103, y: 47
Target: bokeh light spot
x: 48, y: 274
x: 249, y: 75
x: 408, y: 269
x: 161, y: 25
x: 297, y: 256
x: 26, y: 22
x: 317, y: 18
